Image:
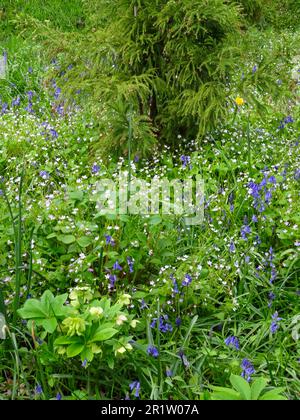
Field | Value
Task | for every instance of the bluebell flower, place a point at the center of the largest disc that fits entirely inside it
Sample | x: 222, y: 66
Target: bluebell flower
x: 183, y: 358
x: 16, y: 101
x: 84, y: 363
x: 135, y: 385
x: 53, y: 133
x: 130, y: 264
x: 38, y: 389
x: 112, y: 280
x: 254, y: 219
x: 232, y: 341
x: 169, y: 373
x: 4, y: 108
x: 57, y: 93
x: 187, y: 280
x: 248, y: 369
x: 254, y: 69
x: 245, y: 230
x: 44, y: 174
x: 162, y: 324
x: 109, y: 240
x: 152, y: 351
x: 275, y: 320
x: 95, y: 169
x: 143, y: 304
x: 30, y: 94
x: 232, y: 247
x: 117, y: 266
x: 185, y: 160
x: 178, y: 322
x: 58, y: 396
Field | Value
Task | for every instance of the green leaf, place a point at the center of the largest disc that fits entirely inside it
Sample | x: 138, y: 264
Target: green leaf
x: 274, y: 395
x: 60, y: 341
x: 241, y: 385
x: 155, y: 220
x: 49, y: 324
x: 76, y: 195
x: 84, y: 241
x: 66, y: 239
x: 257, y: 387
x: 222, y: 393
x: 32, y: 309
x: 103, y: 334
x: 74, y: 349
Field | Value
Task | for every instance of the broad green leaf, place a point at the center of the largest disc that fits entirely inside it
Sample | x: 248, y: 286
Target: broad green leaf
x: 76, y: 195
x: 257, y: 387
x: 60, y: 341
x: 222, y: 393
x: 74, y: 349
x: 32, y: 309
x: 66, y: 239
x: 103, y: 334
x: 274, y: 395
x: 49, y: 324
x: 84, y: 241
x: 241, y: 385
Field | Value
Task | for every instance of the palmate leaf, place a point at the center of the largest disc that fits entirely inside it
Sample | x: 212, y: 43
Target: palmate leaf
x: 45, y: 311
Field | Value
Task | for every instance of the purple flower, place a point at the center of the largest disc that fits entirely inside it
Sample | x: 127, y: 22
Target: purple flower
x: 169, y: 373
x: 248, y: 369
x: 183, y: 359
x: 246, y: 230
x: 84, y: 363
x: 58, y: 396
x: 38, y: 389
x: 232, y: 247
x: 232, y: 341
x: 185, y: 160
x: 44, y: 174
x: 112, y: 280
x: 254, y: 69
x: 117, y: 266
x: 187, y: 280
x: 162, y: 324
x: 16, y: 101
x: 30, y: 94
x: 143, y: 304
x: 95, y: 169
x: 137, y: 386
x: 152, y: 351
x: 53, y: 133
x: 57, y: 93
x: 178, y: 322
x: 274, y: 325
x: 4, y: 108
x: 130, y: 264
x: 109, y: 240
